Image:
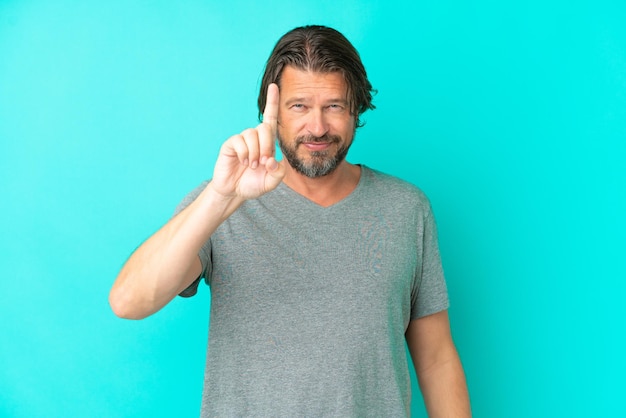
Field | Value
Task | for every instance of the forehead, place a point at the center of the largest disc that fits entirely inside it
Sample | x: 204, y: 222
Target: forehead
x: 308, y: 84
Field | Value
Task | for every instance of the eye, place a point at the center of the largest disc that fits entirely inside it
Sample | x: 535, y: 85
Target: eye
x: 298, y: 107
x: 335, y: 107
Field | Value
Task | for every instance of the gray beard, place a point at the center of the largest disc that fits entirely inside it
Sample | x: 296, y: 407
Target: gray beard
x: 322, y: 163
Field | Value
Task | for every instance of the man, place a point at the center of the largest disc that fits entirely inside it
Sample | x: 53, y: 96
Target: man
x: 319, y: 269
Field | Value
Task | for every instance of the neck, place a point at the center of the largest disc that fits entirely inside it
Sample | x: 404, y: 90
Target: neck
x: 327, y: 190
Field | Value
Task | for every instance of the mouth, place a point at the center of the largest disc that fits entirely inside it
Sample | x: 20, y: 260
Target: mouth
x: 316, y: 146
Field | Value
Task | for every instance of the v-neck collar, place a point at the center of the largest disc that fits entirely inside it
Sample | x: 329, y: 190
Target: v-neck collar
x: 346, y: 200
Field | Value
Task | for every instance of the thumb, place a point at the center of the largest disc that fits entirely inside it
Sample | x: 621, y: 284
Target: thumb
x: 276, y: 173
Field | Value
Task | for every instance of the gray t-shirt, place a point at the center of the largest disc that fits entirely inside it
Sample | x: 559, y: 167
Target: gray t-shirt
x: 309, y: 305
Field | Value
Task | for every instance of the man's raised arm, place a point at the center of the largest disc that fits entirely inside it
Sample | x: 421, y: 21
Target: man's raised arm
x: 168, y: 262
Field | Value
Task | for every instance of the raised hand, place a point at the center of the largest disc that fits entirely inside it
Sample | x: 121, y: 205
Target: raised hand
x: 246, y: 167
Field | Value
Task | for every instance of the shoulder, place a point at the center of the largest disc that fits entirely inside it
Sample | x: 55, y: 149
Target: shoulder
x: 394, y: 189
x: 191, y: 196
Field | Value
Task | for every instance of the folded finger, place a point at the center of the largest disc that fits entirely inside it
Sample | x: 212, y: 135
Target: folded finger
x: 251, y: 138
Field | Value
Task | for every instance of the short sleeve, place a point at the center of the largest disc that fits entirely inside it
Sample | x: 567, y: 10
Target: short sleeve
x: 430, y: 294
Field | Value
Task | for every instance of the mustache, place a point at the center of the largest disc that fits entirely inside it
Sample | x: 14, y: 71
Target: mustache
x: 331, y: 139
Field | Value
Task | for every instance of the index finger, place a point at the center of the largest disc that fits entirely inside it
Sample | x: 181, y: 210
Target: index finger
x: 270, y: 114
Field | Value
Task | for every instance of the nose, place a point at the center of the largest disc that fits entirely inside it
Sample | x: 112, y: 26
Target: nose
x: 316, y: 124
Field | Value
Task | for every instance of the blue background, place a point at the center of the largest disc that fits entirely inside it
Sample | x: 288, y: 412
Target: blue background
x: 511, y: 116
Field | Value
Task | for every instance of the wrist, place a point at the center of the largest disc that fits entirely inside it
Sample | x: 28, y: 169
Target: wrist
x: 219, y: 203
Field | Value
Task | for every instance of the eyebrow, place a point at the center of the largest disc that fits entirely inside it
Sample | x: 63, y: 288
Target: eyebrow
x: 295, y: 100
x: 307, y: 100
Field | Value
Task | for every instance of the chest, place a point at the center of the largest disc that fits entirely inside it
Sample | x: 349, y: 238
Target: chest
x: 351, y: 261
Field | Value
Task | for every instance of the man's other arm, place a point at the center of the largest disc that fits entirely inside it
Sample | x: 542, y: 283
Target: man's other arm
x: 438, y: 367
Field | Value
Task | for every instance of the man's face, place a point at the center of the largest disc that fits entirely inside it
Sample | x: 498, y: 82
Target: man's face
x: 315, y: 128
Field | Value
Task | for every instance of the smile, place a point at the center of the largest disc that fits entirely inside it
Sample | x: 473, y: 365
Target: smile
x: 316, y: 146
